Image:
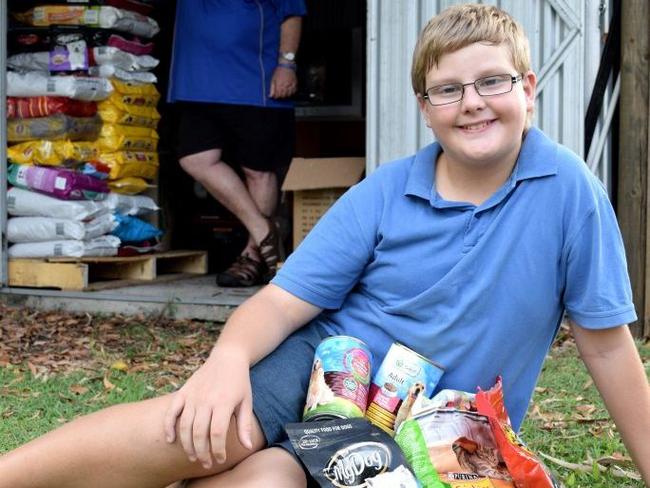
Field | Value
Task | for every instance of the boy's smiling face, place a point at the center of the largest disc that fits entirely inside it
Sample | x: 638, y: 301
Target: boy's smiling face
x: 479, y: 131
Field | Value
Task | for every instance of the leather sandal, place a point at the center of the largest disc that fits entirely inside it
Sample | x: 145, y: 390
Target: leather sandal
x: 270, y: 249
x: 243, y: 272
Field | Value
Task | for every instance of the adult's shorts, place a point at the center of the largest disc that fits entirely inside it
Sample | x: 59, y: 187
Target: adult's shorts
x: 259, y: 138
x: 280, y: 382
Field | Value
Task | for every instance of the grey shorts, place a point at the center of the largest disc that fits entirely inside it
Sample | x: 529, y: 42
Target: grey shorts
x: 280, y: 383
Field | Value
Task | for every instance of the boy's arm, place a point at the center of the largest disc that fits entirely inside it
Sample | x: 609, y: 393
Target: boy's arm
x: 618, y: 373
x: 202, y: 409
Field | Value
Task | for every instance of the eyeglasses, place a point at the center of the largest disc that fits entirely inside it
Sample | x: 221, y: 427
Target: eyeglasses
x: 486, y: 87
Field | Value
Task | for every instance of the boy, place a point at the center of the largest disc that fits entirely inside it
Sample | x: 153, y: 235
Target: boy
x: 468, y: 252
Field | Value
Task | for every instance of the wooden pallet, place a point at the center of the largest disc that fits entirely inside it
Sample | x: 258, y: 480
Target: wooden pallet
x: 106, y: 272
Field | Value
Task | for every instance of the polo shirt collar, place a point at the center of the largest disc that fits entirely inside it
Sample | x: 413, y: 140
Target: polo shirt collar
x: 537, y: 158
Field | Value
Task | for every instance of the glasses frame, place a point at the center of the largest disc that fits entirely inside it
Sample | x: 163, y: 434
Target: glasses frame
x: 513, y: 80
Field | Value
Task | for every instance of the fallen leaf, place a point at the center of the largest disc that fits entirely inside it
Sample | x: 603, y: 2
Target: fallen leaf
x: 589, y: 467
x: 120, y: 365
x: 107, y: 384
x: 586, y: 409
x: 32, y: 368
x: 615, y: 458
x: 78, y: 389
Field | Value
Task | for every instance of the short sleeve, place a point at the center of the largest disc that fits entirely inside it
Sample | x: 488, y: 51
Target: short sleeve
x: 331, y: 259
x: 598, y: 292
x: 291, y: 8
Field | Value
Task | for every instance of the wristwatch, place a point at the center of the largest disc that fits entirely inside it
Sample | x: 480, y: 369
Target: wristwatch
x: 288, y: 56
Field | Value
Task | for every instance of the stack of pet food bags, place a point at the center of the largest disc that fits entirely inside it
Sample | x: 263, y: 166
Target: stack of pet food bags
x: 454, y: 440
x: 75, y: 154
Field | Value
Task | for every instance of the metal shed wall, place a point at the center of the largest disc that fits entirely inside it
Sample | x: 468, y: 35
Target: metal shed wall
x: 564, y: 52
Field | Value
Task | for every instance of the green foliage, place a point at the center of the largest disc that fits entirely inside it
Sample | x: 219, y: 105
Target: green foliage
x: 568, y: 421
x: 32, y: 405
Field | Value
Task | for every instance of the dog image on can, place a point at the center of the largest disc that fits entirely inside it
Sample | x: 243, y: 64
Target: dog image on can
x: 415, y: 390
x: 339, y: 380
x: 402, y: 377
x: 319, y: 392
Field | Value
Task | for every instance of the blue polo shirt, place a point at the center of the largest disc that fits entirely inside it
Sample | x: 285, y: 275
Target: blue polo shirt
x: 479, y: 289
x: 225, y: 51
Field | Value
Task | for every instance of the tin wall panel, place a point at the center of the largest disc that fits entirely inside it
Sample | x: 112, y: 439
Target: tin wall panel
x: 556, y: 33
x: 3, y: 142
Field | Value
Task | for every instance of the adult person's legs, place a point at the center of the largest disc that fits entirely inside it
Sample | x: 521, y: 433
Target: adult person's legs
x: 224, y: 184
x: 120, y: 446
x: 260, y: 141
x: 263, y: 188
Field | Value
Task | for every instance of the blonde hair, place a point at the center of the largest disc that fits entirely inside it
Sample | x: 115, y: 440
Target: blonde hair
x: 461, y: 25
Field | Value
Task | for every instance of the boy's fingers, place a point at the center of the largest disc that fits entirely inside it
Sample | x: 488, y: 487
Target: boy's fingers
x: 172, y: 413
x: 200, y: 437
x: 244, y: 416
x: 218, y: 430
x: 186, y: 426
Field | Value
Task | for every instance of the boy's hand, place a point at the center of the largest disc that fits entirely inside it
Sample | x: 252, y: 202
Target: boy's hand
x: 201, y: 411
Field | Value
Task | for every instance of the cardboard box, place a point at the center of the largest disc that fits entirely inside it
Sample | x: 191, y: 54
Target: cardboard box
x: 316, y: 184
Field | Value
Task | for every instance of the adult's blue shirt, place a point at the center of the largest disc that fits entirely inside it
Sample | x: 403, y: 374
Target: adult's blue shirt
x: 479, y: 289
x: 225, y: 51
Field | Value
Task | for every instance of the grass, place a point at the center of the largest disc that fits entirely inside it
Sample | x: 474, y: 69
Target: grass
x: 32, y: 405
x: 568, y: 421
x: 138, y: 360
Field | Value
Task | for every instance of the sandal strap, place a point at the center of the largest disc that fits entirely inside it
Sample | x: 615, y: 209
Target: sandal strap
x: 246, y: 270
x: 269, y: 249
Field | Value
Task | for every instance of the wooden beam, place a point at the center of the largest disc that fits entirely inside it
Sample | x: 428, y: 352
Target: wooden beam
x: 634, y: 161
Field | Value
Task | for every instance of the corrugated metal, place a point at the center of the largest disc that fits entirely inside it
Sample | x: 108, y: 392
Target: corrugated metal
x: 557, y: 38
x: 3, y: 141
x: 600, y: 154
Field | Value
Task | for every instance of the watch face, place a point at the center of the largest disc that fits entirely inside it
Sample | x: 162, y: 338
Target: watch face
x: 289, y: 56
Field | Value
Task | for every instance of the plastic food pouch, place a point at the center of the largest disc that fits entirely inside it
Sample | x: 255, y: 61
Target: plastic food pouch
x: 58, y: 182
x: 52, y: 153
x: 37, y: 83
x: 127, y: 163
x: 131, y: 101
x: 129, y: 186
x: 127, y: 143
x: 25, y: 107
x: 110, y: 113
x: 72, y: 57
x: 54, y: 127
x: 104, y: 17
x: 526, y: 470
x: 400, y: 478
x: 458, y: 400
x: 344, y: 452
x: 134, y: 88
x: 133, y: 229
x: 459, y: 445
x: 130, y: 46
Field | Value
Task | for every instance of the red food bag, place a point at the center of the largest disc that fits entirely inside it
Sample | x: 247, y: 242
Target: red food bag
x: 526, y: 470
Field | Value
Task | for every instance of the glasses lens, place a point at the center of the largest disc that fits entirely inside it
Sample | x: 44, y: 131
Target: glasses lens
x: 494, y: 85
x: 442, y: 94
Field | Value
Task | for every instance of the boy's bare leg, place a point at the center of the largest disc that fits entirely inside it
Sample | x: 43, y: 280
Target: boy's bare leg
x: 120, y: 446
x: 263, y: 469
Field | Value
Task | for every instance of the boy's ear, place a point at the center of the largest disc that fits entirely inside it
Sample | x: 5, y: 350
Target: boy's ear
x: 530, y: 86
x: 423, y: 104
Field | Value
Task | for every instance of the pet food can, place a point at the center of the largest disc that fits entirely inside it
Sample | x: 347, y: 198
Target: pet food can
x: 340, y: 376
x: 401, y: 378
